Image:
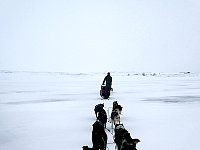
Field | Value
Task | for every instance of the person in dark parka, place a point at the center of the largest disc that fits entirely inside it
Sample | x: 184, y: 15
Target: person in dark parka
x: 108, y: 80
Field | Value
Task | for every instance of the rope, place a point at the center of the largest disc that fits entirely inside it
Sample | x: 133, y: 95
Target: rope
x: 104, y: 143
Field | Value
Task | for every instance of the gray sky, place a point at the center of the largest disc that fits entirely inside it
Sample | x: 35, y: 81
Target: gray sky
x: 106, y: 35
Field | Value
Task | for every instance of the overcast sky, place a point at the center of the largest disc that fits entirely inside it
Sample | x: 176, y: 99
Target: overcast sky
x: 100, y: 35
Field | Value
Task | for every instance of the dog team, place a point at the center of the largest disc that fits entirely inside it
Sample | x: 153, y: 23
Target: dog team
x: 122, y: 138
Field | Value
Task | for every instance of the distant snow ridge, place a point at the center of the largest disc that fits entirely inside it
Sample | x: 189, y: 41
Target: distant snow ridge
x: 179, y: 74
x: 148, y: 74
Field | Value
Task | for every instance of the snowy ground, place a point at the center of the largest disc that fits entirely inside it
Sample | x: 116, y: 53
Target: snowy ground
x: 54, y: 111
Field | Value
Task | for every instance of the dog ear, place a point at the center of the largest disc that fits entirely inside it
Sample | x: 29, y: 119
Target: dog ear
x: 136, y: 140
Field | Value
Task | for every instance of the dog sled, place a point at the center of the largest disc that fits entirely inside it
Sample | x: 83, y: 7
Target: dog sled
x: 104, y: 93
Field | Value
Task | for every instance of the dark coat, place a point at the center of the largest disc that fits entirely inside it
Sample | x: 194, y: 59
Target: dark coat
x: 108, y: 80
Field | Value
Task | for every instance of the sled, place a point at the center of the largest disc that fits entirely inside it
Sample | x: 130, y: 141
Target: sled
x: 103, y: 92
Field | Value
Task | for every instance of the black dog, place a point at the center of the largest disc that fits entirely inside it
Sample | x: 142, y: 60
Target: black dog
x: 128, y: 143
x: 99, y: 136
x: 115, y: 118
x: 123, y: 139
x: 101, y: 113
x: 119, y: 135
x: 115, y: 104
x: 98, y: 108
x: 102, y: 116
x: 117, y: 107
